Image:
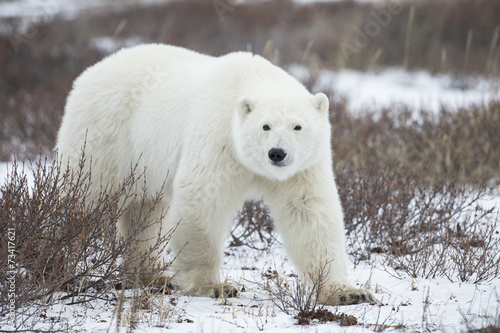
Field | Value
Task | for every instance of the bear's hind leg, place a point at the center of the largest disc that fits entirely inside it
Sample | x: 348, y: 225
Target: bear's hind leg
x: 142, y: 228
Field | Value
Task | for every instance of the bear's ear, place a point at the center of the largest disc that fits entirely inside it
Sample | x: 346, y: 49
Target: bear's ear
x: 245, y: 106
x: 321, y: 102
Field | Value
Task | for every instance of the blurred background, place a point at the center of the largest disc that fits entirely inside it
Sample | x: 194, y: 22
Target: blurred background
x: 414, y: 89
x: 46, y: 44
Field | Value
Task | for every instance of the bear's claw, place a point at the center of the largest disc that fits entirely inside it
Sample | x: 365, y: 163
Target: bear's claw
x: 232, y: 292
x: 349, y: 296
x: 215, y: 290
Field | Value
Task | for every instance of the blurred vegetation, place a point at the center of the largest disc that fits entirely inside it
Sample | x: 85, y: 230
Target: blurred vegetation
x: 454, y: 144
x: 40, y: 59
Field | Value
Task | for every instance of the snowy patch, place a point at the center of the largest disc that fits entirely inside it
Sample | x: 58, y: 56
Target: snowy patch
x: 412, y: 304
x: 107, y: 44
x: 395, y: 86
x: 36, y: 9
x: 71, y: 8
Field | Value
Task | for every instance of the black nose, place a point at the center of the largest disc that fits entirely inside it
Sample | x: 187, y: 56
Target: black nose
x: 276, y: 155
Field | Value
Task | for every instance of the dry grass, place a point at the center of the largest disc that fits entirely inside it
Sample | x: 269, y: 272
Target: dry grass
x: 459, y: 144
x: 254, y: 227
x: 291, y: 295
x: 37, y: 73
x: 424, y: 232
x: 65, y: 248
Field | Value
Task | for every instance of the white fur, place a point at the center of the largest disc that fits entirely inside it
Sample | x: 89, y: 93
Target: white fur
x: 200, y: 120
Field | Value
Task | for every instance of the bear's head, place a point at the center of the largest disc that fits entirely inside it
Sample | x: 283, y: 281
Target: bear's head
x: 277, y: 136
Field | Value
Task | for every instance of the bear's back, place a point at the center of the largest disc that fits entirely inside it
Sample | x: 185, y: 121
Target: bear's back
x: 100, y: 106
x: 129, y: 67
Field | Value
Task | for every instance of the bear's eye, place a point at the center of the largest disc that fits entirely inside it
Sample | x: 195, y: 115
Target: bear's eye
x: 266, y: 127
x: 298, y: 128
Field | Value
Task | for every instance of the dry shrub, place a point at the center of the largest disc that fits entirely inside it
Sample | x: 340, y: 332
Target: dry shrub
x: 437, y: 37
x: 487, y: 329
x: 487, y: 324
x: 429, y: 147
x: 395, y: 171
x: 404, y: 178
x: 66, y: 247
x: 426, y: 232
x: 313, y: 33
x: 254, y: 227
x: 29, y: 123
x: 295, y: 297
x: 37, y: 73
x: 324, y: 315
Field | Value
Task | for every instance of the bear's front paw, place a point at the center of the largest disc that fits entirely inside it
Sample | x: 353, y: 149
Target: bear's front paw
x: 216, y: 290
x: 347, y: 296
x: 225, y: 290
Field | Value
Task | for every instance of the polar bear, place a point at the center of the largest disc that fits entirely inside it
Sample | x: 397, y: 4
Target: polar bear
x: 221, y: 128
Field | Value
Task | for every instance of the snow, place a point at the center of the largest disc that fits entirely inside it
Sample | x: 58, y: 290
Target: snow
x: 395, y: 86
x: 404, y: 301
x: 413, y: 303
x: 43, y: 10
x: 46, y: 9
x: 108, y: 44
x: 7, y: 169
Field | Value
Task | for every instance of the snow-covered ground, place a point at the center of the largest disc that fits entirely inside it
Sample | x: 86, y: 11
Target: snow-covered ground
x: 392, y: 86
x: 413, y: 304
x: 44, y: 9
x: 416, y: 89
x: 424, y: 305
